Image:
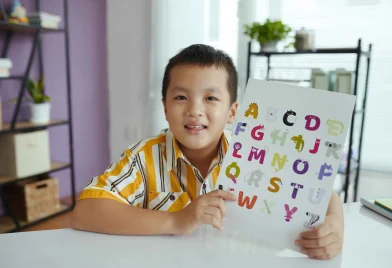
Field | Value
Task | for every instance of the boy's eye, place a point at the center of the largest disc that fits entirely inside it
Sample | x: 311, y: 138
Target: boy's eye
x: 211, y: 98
x: 180, y: 98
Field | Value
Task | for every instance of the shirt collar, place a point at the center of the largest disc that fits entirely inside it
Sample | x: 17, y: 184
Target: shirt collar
x: 173, y: 151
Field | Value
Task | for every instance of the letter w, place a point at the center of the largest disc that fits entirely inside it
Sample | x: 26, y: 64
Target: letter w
x: 242, y: 201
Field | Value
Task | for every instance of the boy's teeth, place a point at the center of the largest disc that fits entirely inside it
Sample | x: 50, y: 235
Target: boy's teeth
x: 196, y: 127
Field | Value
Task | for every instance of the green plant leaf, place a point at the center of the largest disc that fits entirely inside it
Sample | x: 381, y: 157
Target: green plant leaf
x: 268, y: 31
x: 30, y: 84
x: 46, y: 98
x: 41, y: 84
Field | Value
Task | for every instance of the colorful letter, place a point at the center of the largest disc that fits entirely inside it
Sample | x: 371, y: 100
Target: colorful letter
x: 275, y: 137
x: 335, y: 127
x: 255, y: 177
x: 309, y: 119
x: 289, y: 213
x: 316, y: 147
x: 305, y: 168
x: 252, y: 110
x: 332, y: 148
x: 229, y: 174
x: 299, y: 143
x: 273, y: 182
x: 267, y: 207
x: 239, y: 128
x: 278, y: 161
x: 257, y: 133
x: 272, y: 114
x: 237, y: 146
x: 295, y: 190
x: 285, y: 117
x: 325, y: 171
x: 255, y: 153
x: 319, y: 196
x: 242, y: 202
x: 313, y: 219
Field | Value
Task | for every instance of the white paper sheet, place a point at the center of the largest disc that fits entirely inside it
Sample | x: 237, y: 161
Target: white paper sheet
x: 282, y: 160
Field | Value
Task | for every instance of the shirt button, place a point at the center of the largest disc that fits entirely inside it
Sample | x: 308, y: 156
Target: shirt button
x: 172, y: 197
x: 204, y: 186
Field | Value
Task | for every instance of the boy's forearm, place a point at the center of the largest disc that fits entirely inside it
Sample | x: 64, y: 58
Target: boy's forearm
x: 112, y: 217
x: 335, y: 206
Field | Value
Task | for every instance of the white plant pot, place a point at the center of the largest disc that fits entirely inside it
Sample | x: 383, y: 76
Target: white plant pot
x: 40, y: 113
x: 269, y: 46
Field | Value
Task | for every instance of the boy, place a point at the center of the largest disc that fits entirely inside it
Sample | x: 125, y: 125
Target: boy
x: 172, y: 176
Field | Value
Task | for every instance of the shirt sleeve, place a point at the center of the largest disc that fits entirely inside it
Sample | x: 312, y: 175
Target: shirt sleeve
x: 122, y: 181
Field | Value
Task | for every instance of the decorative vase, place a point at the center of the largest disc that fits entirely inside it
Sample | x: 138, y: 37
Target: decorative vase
x: 40, y: 113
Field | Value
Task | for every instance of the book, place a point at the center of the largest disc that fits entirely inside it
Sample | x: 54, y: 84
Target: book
x: 282, y: 160
x: 370, y: 203
x: 319, y: 79
x: 384, y: 203
x: 344, y: 81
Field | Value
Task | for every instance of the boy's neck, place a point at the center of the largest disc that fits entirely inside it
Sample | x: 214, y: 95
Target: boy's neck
x: 201, y: 158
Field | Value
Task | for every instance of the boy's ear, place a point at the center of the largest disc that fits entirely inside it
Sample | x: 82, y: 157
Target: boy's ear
x: 233, y: 113
x: 164, y: 107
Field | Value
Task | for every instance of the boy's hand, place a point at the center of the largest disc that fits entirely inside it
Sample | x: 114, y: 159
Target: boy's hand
x: 206, y: 209
x: 324, y: 242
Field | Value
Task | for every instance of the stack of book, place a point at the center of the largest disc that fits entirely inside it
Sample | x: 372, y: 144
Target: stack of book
x: 5, y: 66
x: 339, y: 80
x: 45, y: 20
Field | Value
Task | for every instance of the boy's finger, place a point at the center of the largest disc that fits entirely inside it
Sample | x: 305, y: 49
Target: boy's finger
x: 322, y: 253
x: 218, y: 203
x: 321, y: 231
x: 223, y: 194
x: 213, y: 211
x: 318, y: 251
x: 211, y: 220
x: 315, y: 243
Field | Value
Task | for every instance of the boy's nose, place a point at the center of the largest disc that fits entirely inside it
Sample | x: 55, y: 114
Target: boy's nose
x: 195, y: 110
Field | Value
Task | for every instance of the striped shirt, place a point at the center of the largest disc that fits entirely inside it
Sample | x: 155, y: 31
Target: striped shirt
x: 154, y: 174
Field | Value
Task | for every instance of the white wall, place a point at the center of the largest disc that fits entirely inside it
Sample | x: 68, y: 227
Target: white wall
x: 129, y: 34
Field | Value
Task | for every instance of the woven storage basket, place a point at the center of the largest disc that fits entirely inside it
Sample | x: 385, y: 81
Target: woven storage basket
x: 31, y: 200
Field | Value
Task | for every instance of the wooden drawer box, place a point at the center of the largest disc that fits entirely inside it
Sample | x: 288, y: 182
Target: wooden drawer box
x: 24, y: 154
x: 31, y: 200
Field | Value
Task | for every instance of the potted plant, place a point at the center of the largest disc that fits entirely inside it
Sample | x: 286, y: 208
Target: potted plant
x: 40, y: 104
x: 267, y: 34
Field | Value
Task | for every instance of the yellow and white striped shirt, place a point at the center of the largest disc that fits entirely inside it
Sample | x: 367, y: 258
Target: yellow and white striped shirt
x: 154, y: 174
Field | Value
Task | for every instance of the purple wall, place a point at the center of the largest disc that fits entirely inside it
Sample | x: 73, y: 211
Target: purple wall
x: 88, y: 59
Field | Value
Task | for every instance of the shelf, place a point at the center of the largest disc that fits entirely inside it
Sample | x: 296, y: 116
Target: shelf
x: 24, y: 28
x: 316, y: 51
x: 290, y: 80
x: 12, y: 77
x: 353, y: 167
x: 55, y: 166
x: 28, y: 126
x: 7, y: 224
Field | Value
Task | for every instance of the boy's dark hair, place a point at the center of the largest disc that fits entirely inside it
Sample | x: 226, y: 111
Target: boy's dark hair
x: 203, y: 56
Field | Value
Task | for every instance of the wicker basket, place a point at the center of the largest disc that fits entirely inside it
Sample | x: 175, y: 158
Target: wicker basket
x: 31, y: 200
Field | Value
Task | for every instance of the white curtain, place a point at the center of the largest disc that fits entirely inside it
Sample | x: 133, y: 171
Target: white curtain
x: 177, y: 24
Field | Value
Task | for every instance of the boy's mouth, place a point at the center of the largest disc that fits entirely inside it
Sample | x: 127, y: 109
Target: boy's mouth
x: 195, y: 126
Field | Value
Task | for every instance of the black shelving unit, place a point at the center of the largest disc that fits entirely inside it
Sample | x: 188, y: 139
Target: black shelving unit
x: 353, y: 164
x: 9, y: 222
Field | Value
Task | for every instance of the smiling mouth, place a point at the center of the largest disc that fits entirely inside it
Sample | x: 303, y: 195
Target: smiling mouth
x: 195, y: 127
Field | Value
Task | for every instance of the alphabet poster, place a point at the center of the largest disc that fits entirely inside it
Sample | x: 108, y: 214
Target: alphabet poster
x: 283, y: 157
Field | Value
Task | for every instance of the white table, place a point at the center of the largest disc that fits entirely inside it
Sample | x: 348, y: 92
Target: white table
x: 368, y: 243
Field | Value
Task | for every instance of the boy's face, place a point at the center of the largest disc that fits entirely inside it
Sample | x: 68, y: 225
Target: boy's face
x: 197, y: 105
